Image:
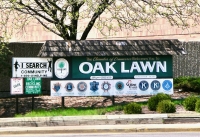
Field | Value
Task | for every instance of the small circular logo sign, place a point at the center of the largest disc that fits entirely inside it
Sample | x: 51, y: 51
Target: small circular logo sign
x: 61, y: 68
x: 69, y: 87
x: 167, y: 85
x: 105, y: 86
x: 119, y: 85
x: 155, y: 85
x: 82, y: 86
x: 143, y: 85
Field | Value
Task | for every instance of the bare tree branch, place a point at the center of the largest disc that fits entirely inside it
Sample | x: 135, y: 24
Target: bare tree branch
x: 63, y: 17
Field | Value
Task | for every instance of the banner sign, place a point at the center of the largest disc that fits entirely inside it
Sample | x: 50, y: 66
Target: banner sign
x: 16, y: 86
x: 123, y: 87
x: 33, y: 85
x: 32, y: 67
x: 112, y: 67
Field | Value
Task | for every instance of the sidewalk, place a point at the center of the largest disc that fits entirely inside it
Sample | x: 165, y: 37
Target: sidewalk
x: 101, y: 123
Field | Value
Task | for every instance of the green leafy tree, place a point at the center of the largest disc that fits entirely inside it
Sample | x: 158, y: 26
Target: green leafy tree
x: 5, y: 57
x: 63, y: 17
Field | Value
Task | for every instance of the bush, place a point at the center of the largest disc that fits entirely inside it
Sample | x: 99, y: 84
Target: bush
x: 195, y: 85
x: 133, y: 108
x: 187, y: 83
x: 197, y: 106
x: 190, y: 102
x: 119, y: 108
x: 166, y: 106
x: 154, y: 100
x: 162, y: 96
x: 182, y: 83
x: 152, y: 103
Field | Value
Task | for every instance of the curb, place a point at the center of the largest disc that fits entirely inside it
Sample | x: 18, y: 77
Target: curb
x: 100, y: 120
x: 104, y: 129
x: 83, y: 120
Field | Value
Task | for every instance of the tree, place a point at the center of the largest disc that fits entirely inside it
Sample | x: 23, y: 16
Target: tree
x: 63, y: 17
x: 5, y: 57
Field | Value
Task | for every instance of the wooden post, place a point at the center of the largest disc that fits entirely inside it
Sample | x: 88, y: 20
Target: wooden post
x: 113, y: 100
x: 63, y: 102
x: 32, y: 102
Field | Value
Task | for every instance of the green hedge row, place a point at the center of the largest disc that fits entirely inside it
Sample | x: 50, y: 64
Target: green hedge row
x: 160, y: 103
x: 187, y: 83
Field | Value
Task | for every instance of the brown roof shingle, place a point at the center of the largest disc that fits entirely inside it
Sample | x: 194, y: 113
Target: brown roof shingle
x: 60, y: 48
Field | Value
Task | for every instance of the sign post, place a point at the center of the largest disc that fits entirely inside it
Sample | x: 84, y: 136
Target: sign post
x: 16, y: 88
x: 33, y: 86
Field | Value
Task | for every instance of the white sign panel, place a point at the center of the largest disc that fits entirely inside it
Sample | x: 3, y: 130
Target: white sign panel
x: 16, y: 86
x: 32, y: 67
x: 124, y: 87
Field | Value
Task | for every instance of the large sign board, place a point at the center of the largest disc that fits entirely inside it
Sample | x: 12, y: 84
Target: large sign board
x: 112, y: 75
x: 123, y: 87
x: 32, y: 67
x: 33, y: 85
x: 16, y: 86
x: 112, y: 67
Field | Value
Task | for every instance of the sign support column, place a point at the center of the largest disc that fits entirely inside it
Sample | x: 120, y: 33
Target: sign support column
x: 16, y: 104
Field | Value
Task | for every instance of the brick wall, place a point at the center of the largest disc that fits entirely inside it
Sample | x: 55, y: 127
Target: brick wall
x: 161, y: 29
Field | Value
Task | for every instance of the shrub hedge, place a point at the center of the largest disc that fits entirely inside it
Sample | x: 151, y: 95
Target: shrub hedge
x: 154, y: 100
x: 166, y: 106
x: 133, y: 108
x: 187, y: 83
x: 197, y: 106
x: 190, y: 102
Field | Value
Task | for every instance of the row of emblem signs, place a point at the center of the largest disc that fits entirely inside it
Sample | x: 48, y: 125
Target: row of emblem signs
x: 127, y: 87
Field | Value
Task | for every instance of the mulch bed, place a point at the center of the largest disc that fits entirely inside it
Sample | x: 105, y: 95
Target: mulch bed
x: 8, y: 105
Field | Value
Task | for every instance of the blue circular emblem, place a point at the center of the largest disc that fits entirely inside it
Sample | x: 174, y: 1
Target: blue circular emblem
x: 143, y: 85
x: 119, y: 85
x: 82, y: 86
x: 167, y: 85
x: 155, y: 85
x: 69, y: 87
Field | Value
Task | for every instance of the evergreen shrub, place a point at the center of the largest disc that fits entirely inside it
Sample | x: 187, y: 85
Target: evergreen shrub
x: 154, y: 100
x: 166, y: 106
x: 133, y: 108
x: 152, y: 103
x: 187, y: 83
x: 190, y: 102
x: 197, y: 106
